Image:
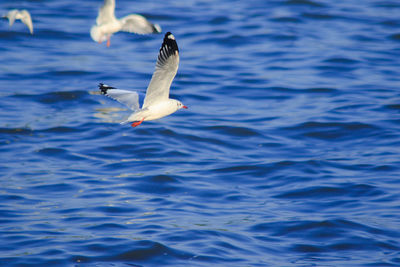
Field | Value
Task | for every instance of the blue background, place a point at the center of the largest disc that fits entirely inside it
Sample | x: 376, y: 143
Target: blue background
x: 287, y: 156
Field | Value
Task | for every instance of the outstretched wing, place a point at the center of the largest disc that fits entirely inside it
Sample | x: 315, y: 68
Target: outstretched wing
x: 128, y: 98
x: 135, y: 23
x: 11, y: 15
x: 106, y: 12
x: 27, y: 20
x: 166, y: 68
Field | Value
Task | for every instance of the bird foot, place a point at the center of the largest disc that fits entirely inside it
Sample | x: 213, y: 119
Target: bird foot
x: 137, y: 123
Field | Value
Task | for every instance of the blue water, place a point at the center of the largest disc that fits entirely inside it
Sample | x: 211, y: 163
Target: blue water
x: 289, y: 153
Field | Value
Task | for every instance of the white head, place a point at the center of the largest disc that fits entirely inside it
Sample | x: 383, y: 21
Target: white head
x: 97, y: 34
x: 179, y: 104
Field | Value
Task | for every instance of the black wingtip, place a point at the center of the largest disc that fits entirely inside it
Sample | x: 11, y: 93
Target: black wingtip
x: 156, y: 28
x: 168, y: 48
x: 103, y: 88
x: 170, y: 42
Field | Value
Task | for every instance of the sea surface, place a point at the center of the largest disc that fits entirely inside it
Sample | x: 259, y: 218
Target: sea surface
x: 289, y: 153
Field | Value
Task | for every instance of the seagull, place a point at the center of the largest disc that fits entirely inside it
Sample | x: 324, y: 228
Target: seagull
x: 157, y: 103
x: 107, y: 24
x: 22, y: 15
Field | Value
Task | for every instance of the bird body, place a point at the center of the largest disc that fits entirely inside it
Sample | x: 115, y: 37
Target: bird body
x: 156, y: 111
x: 107, y: 24
x: 22, y: 15
x: 157, y: 103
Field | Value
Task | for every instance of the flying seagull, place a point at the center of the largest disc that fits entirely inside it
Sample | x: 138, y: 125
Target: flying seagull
x: 107, y: 24
x: 22, y: 15
x: 157, y: 103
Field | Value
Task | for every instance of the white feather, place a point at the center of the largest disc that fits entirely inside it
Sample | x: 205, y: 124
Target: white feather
x: 157, y: 103
x: 107, y: 24
x: 22, y: 15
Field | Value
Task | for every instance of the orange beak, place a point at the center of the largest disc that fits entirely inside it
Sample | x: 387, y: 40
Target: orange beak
x: 185, y: 107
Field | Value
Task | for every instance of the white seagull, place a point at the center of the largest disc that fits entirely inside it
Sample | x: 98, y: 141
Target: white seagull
x: 107, y: 24
x: 22, y: 15
x: 157, y: 103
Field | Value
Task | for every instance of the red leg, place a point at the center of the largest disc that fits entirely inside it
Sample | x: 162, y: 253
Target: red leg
x: 137, y: 123
x: 108, y: 41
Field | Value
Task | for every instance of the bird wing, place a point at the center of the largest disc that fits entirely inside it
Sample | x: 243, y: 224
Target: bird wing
x: 106, y: 12
x: 11, y: 15
x: 128, y: 98
x: 166, y: 68
x: 27, y: 20
x: 135, y: 23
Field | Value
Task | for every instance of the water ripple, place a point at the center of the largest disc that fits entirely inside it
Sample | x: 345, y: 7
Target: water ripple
x: 288, y: 154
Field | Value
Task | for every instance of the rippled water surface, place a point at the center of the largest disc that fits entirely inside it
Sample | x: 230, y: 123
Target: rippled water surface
x: 287, y: 156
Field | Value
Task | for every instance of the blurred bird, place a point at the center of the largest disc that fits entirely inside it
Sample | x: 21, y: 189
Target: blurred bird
x: 157, y: 103
x: 107, y: 24
x: 22, y: 15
